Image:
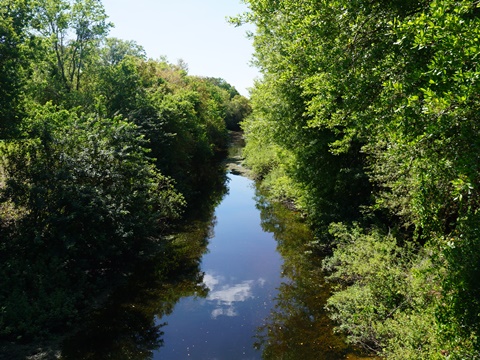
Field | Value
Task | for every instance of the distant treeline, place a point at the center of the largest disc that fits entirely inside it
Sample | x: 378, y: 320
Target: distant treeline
x: 367, y: 117
x: 102, y: 151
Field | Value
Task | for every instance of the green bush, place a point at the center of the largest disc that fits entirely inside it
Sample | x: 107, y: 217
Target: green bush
x: 91, y: 204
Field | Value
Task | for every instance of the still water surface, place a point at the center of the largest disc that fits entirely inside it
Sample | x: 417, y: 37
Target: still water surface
x: 260, y: 294
x: 242, y: 271
x: 243, y: 285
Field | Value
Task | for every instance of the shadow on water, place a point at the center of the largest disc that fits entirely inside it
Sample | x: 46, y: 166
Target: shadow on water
x: 127, y: 327
x: 123, y: 324
x: 298, y: 327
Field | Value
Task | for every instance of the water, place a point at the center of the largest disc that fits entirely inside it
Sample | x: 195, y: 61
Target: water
x: 248, y: 286
x: 242, y: 271
x: 242, y: 284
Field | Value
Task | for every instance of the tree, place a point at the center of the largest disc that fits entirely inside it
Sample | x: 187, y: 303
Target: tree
x: 367, y: 114
x: 14, y: 20
x: 183, y: 117
x: 72, y: 33
x: 90, y: 204
x: 223, y: 84
x: 238, y: 108
x: 115, y: 50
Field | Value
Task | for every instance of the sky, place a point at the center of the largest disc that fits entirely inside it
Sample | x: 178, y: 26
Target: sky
x: 195, y: 31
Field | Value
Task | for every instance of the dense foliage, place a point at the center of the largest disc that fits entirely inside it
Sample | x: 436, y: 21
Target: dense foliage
x: 102, y: 152
x: 366, y: 118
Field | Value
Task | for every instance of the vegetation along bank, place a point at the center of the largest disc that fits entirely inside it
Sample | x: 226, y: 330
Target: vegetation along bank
x: 103, y: 155
x: 367, y: 117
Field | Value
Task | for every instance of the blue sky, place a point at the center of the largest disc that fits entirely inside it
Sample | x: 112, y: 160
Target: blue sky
x: 193, y: 30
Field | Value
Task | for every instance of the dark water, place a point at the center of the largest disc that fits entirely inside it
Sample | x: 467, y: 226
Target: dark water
x: 256, y: 293
x: 242, y: 272
x: 246, y: 286
x: 241, y: 282
x: 266, y: 289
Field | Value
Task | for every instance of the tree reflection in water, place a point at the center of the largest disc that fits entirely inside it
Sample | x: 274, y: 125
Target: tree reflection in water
x: 125, y: 328
x: 298, y: 327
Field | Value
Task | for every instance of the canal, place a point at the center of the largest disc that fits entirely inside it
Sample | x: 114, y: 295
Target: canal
x: 242, y: 272
x: 266, y: 291
x: 247, y: 286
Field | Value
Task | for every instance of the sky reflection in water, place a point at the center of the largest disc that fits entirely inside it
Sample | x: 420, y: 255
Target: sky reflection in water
x: 242, y: 271
x: 226, y: 295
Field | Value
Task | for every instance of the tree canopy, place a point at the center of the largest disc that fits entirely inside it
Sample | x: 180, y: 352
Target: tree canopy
x: 103, y: 154
x: 366, y: 117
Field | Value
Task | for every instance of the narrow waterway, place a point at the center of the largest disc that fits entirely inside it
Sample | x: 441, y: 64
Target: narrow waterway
x: 242, y: 272
x: 247, y: 286
x: 239, y: 282
x: 266, y: 290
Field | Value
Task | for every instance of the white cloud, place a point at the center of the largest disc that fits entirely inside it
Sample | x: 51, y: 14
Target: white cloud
x: 233, y: 293
x: 230, y: 311
x: 211, y: 281
x: 225, y: 296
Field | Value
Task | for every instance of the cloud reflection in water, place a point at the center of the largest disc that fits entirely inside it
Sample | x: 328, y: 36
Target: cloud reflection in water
x: 227, y: 295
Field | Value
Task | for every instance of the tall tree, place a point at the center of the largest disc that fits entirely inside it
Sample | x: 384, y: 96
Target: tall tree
x: 115, y: 50
x: 368, y: 112
x: 72, y: 31
x: 14, y: 20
